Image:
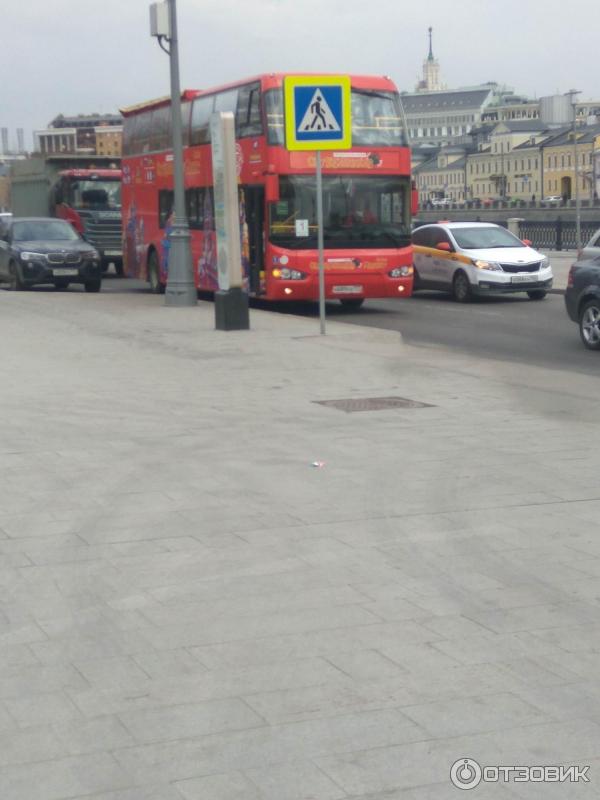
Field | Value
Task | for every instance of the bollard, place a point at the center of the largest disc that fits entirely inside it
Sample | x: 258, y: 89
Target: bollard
x: 514, y: 225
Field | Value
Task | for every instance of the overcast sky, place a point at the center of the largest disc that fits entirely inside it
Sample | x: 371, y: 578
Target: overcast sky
x: 84, y: 56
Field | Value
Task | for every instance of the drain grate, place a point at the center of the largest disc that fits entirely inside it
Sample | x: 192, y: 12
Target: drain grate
x: 352, y: 404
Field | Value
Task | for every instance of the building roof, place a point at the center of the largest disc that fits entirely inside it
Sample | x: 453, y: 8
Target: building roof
x: 585, y: 135
x: 445, y: 100
x: 523, y: 125
x: 432, y: 166
x: 87, y: 120
x: 529, y: 144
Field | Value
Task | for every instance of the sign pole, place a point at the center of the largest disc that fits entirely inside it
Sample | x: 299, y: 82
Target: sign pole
x: 318, y: 117
x: 320, y: 243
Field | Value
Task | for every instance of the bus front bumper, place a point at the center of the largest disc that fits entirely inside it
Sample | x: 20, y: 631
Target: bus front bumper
x: 341, y: 287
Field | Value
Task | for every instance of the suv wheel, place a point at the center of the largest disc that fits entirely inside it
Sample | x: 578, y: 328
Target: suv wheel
x: 461, y: 288
x: 16, y: 282
x: 589, y: 324
x: 93, y: 285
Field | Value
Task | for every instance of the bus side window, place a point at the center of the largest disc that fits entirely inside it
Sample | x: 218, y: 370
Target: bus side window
x: 160, y: 129
x: 195, y: 207
x: 248, y: 120
x: 143, y: 132
x: 202, y: 108
x: 165, y: 206
x: 129, y: 128
x: 226, y: 101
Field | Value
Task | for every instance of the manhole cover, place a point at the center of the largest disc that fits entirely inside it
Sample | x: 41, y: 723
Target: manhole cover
x: 352, y: 404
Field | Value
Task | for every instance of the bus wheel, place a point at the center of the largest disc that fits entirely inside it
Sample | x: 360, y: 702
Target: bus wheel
x: 353, y: 302
x: 156, y: 287
x: 461, y: 288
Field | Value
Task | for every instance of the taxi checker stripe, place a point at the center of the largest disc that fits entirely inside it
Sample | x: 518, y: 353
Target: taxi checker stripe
x: 433, y: 251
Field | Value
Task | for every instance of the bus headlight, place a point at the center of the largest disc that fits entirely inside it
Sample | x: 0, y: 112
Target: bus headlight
x: 400, y: 272
x: 288, y: 274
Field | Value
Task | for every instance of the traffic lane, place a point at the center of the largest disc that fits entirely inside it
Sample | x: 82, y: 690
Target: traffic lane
x: 507, y: 328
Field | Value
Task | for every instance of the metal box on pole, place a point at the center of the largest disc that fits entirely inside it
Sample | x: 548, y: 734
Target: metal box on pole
x: 159, y: 20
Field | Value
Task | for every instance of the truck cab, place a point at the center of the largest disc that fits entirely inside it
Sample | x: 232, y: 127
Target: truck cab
x: 90, y: 199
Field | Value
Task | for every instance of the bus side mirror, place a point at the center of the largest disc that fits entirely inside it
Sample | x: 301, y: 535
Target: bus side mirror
x: 272, y: 188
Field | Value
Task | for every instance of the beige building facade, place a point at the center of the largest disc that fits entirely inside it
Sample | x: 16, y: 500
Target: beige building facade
x: 509, y: 165
x: 109, y: 140
x: 560, y: 154
x: 443, y: 176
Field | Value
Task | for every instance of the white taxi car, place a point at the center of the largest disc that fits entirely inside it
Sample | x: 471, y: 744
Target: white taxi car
x: 475, y: 258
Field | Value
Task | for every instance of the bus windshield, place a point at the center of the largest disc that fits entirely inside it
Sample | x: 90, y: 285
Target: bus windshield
x: 358, y: 211
x: 95, y: 194
x: 376, y: 118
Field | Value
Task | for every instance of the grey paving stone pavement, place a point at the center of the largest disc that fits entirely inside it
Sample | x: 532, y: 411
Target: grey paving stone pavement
x: 191, y: 609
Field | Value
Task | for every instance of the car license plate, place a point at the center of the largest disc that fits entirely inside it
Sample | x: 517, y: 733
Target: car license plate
x: 347, y: 289
x: 59, y: 273
x: 522, y: 279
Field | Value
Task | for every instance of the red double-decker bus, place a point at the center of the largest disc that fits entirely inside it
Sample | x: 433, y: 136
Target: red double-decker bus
x: 366, y: 195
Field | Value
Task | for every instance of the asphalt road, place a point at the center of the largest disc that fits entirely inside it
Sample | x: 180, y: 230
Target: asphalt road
x: 506, y: 328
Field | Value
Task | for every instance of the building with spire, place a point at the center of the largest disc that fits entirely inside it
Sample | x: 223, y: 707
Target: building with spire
x: 431, y: 71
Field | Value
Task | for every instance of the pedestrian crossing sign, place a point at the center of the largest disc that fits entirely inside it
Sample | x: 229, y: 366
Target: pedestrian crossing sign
x: 317, y: 112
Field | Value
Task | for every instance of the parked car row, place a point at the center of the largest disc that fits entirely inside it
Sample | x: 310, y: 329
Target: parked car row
x: 44, y: 250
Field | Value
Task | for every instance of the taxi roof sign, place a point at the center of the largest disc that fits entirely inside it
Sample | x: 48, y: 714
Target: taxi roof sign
x: 317, y: 112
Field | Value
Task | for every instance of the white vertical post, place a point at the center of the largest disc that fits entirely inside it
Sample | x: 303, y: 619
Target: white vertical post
x: 320, y: 243
x: 231, y: 302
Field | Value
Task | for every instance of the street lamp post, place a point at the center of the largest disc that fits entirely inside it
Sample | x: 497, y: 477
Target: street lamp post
x: 181, y: 290
x: 573, y: 93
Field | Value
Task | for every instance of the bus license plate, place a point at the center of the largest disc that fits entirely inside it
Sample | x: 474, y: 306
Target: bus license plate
x: 113, y: 253
x: 58, y: 273
x: 347, y: 289
x: 522, y: 279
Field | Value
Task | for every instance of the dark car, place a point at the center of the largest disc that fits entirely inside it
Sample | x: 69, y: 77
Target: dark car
x: 582, y: 299
x: 35, y: 250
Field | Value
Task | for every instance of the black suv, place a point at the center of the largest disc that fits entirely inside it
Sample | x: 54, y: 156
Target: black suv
x: 37, y: 250
x: 582, y: 299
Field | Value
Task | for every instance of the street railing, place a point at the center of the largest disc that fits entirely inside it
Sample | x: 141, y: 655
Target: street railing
x: 558, y: 234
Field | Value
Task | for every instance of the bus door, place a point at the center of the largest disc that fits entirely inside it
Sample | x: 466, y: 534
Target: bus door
x: 254, y: 198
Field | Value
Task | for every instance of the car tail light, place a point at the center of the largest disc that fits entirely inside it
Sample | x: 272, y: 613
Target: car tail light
x: 571, y: 278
